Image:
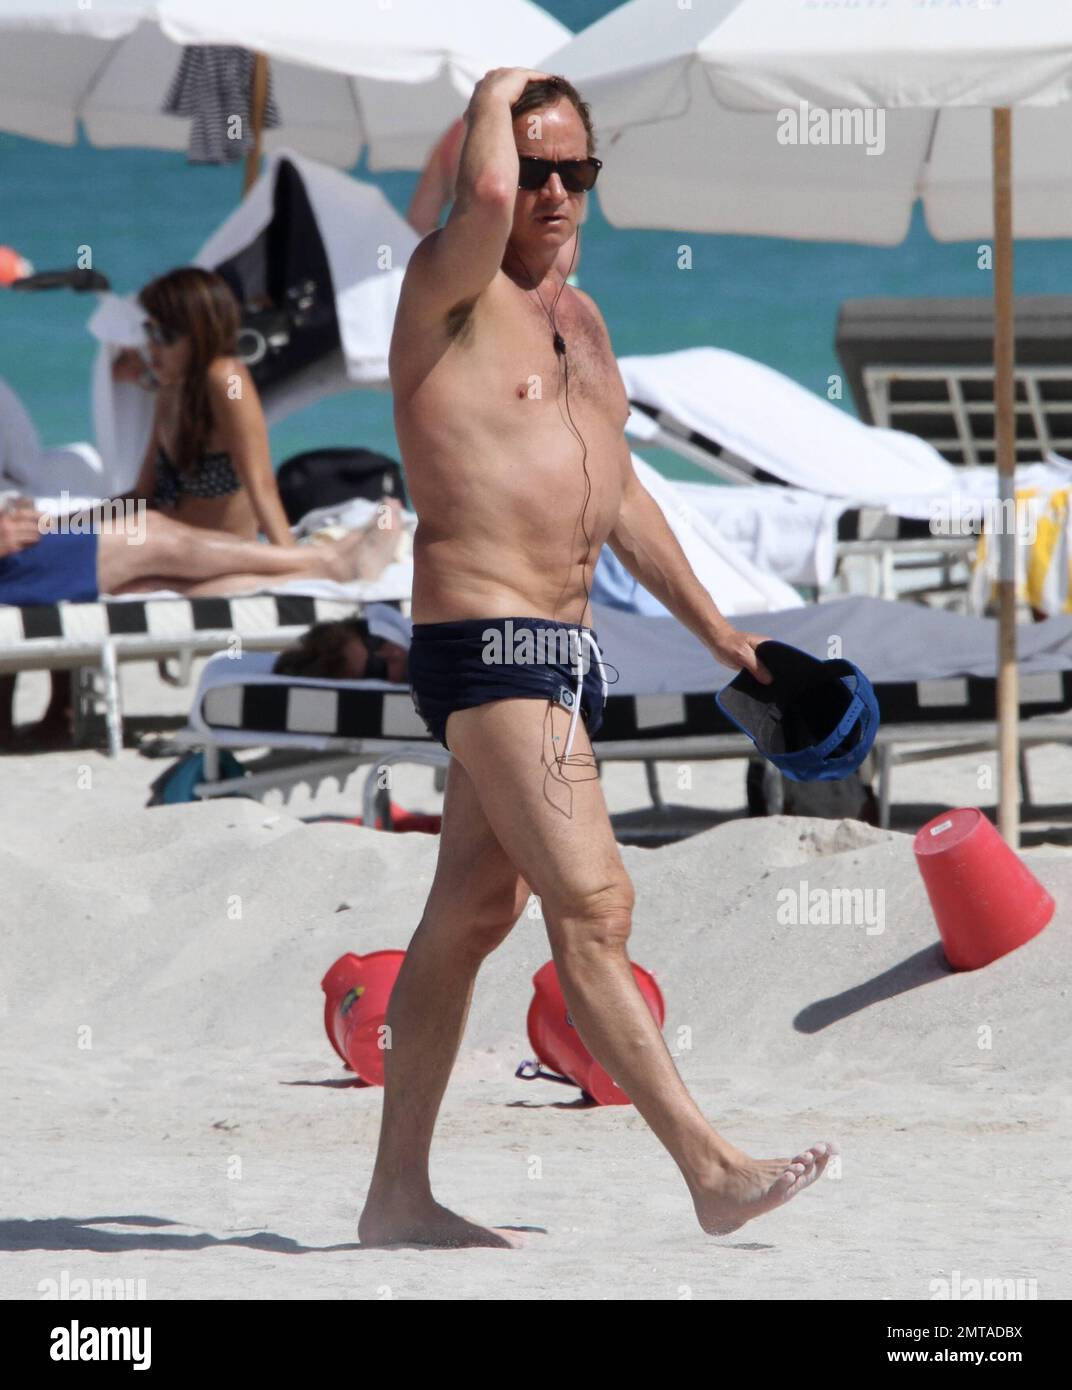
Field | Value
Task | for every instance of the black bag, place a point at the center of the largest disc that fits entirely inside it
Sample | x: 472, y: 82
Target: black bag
x: 282, y: 281
x: 327, y: 477
x: 274, y: 343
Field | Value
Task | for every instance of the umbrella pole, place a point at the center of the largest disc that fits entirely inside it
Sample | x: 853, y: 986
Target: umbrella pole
x: 256, y: 115
x: 1005, y: 439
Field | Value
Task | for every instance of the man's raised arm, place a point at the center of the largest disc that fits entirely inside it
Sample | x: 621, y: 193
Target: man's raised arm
x: 460, y: 259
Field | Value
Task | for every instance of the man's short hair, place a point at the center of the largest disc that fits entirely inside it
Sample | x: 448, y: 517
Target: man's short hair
x: 544, y: 92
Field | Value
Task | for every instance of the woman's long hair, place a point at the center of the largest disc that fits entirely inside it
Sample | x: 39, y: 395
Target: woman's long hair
x: 200, y: 305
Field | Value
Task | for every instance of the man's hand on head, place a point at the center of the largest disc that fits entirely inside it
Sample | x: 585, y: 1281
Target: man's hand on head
x: 19, y: 528
x: 737, y: 650
x: 504, y: 83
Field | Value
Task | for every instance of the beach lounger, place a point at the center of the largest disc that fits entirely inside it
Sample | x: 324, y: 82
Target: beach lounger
x: 755, y: 425
x: 95, y: 638
x: 814, y: 496
x: 927, y: 365
x: 934, y: 674
x: 100, y: 635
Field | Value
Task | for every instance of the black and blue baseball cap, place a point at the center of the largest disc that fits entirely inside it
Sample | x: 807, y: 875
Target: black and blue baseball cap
x: 815, y: 722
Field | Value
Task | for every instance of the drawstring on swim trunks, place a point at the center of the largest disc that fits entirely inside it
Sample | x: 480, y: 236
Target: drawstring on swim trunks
x: 586, y: 637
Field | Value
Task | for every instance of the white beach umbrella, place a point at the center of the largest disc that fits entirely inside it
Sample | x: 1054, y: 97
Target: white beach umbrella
x: 826, y: 121
x: 387, y: 74
x: 698, y: 114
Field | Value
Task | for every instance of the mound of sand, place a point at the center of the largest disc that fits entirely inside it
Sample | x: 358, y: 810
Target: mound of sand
x: 162, y: 1021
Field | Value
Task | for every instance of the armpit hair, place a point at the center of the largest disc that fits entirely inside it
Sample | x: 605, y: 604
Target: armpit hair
x: 459, y: 318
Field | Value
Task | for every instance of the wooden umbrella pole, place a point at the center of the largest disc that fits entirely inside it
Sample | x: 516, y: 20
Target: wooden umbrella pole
x: 256, y: 115
x: 1005, y: 438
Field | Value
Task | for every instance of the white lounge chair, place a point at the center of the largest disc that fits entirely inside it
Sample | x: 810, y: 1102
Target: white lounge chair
x: 933, y: 674
x: 813, y: 495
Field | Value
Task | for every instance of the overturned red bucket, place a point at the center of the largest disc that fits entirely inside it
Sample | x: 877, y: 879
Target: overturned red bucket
x: 986, y: 901
x: 356, y: 993
x: 558, y: 1045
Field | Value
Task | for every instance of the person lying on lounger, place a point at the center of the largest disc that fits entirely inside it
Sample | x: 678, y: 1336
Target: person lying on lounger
x: 208, y: 462
x: 39, y: 567
x: 344, y: 651
x: 43, y: 561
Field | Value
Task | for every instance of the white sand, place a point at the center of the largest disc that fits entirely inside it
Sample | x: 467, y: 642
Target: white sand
x: 208, y: 1052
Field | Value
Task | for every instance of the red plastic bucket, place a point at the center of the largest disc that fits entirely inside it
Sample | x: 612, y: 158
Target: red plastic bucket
x: 403, y: 820
x: 356, y: 992
x: 558, y: 1045
x: 986, y: 901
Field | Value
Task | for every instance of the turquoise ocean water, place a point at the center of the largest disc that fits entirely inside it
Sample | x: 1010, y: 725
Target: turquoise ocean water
x: 144, y: 211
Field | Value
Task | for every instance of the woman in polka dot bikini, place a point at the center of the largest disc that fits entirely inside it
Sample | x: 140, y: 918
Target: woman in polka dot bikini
x: 208, y: 463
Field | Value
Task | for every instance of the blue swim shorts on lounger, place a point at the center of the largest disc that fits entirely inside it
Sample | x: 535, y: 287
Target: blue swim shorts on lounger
x: 60, y: 567
x: 460, y: 665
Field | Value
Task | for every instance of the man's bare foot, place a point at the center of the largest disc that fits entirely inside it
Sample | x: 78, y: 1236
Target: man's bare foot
x: 753, y: 1186
x: 383, y: 1223
x: 366, y: 554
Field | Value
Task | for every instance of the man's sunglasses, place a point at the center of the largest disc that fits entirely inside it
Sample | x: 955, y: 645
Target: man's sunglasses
x: 577, y: 175
x: 162, y: 337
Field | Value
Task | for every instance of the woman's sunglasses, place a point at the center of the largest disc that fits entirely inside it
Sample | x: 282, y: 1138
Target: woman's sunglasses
x: 162, y: 337
x: 577, y: 175
x: 376, y: 665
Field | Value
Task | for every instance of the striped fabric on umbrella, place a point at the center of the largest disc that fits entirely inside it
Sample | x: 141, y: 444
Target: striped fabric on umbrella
x: 214, y: 85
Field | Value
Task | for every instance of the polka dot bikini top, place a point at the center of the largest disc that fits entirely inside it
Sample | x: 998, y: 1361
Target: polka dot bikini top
x: 213, y: 476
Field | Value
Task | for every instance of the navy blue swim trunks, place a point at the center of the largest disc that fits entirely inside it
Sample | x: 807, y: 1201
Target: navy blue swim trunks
x: 460, y: 665
x: 60, y: 567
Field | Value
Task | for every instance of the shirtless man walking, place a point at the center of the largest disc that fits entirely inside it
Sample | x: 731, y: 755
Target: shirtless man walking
x: 517, y: 483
